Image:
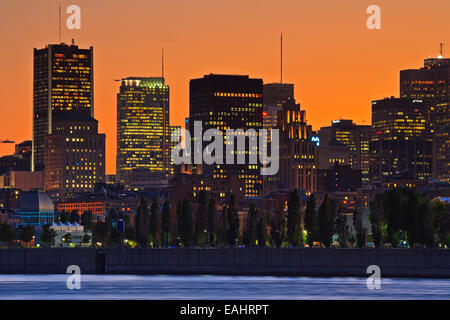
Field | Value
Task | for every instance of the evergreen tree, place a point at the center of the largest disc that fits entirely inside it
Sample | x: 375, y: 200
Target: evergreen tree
x: 201, y: 225
x: 294, y: 219
x: 86, y: 239
x: 26, y: 234
x: 165, y: 223
x: 233, y: 223
x: 141, y: 223
x: 186, y: 225
x: 222, y: 231
x: 100, y: 233
x: 376, y: 220
x: 87, y: 220
x: 212, y: 222
x: 341, y: 229
x: 155, y: 223
x: 311, y: 224
x: 278, y: 229
x: 326, y: 220
x: 7, y: 234
x: 251, y: 227
x: 262, y: 230
x: 74, y: 216
x: 48, y: 235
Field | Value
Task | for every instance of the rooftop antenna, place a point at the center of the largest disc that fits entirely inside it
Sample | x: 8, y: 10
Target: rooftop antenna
x: 162, y: 64
x: 442, y: 50
x: 281, y: 55
x: 59, y: 21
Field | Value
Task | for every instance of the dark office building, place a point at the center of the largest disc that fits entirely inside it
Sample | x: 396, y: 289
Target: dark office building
x: 432, y: 85
x: 298, y: 158
x: 19, y: 161
x: 401, y: 142
x: 74, y: 155
x: 354, y: 137
x: 339, y: 178
x: 229, y: 102
x: 63, y: 80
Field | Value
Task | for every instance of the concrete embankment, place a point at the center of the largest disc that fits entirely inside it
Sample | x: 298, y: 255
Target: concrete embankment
x: 427, y: 263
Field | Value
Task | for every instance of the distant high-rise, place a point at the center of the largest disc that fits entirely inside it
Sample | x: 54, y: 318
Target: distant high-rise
x: 275, y: 95
x: 354, y: 137
x: 143, y: 131
x: 401, y: 143
x: 229, y: 102
x: 63, y: 79
x: 298, y: 158
x: 74, y: 155
x: 432, y: 85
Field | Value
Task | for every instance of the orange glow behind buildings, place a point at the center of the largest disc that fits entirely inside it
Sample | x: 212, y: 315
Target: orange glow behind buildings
x: 338, y: 66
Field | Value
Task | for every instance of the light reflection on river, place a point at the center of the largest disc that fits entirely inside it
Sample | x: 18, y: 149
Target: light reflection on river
x: 155, y: 287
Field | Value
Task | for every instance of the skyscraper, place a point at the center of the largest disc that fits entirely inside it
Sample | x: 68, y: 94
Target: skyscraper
x: 74, y: 155
x: 298, y: 158
x: 63, y: 79
x: 229, y: 102
x: 143, y: 131
x: 432, y: 85
x: 275, y: 95
x: 401, y: 142
x: 354, y: 137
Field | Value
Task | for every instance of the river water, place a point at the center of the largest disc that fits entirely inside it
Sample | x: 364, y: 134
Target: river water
x: 156, y: 287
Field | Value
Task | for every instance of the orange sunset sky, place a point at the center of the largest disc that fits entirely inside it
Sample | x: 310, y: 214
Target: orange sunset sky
x: 338, y: 66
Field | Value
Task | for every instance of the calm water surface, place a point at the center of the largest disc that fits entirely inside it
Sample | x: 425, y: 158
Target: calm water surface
x: 217, y: 287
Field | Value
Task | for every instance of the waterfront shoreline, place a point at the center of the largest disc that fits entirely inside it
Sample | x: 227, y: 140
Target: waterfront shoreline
x: 308, y: 262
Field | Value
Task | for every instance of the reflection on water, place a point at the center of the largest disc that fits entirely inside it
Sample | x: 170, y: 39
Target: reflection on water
x: 217, y: 287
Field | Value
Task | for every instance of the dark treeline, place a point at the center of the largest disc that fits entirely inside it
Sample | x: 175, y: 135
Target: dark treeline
x: 398, y: 217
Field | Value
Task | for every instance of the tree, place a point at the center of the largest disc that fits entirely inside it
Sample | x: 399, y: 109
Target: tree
x: 341, y: 229
x: 86, y: 239
x: 376, y: 220
x: 251, y: 227
x: 359, y: 229
x: 64, y: 216
x: 186, y: 225
x: 7, y: 234
x: 294, y: 219
x: 201, y: 225
x: 48, y: 235
x: 262, y: 230
x: 67, y: 238
x: 141, y: 223
x: 87, y: 220
x: 441, y: 213
x: 222, y: 230
x: 115, y: 237
x: 278, y: 229
x: 74, y: 216
x: 26, y: 234
x: 155, y: 223
x: 100, y: 233
x: 212, y: 222
x: 233, y: 222
x: 311, y: 224
x: 165, y: 223
x: 326, y: 218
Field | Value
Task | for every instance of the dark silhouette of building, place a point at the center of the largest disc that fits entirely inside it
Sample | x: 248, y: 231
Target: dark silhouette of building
x: 298, y: 157
x: 63, y: 79
x: 355, y: 138
x: 229, y: 102
x: 19, y: 161
x: 339, y: 178
x: 431, y: 84
x: 74, y: 155
x: 401, y: 142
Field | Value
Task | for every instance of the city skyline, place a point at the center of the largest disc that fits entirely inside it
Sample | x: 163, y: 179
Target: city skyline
x: 371, y: 72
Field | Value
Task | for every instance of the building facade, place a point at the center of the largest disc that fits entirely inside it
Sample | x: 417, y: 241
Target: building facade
x: 63, y: 79
x: 229, y: 102
x: 431, y: 84
x: 401, y: 140
x: 74, y: 155
x: 143, y: 131
x: 298, y: 153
